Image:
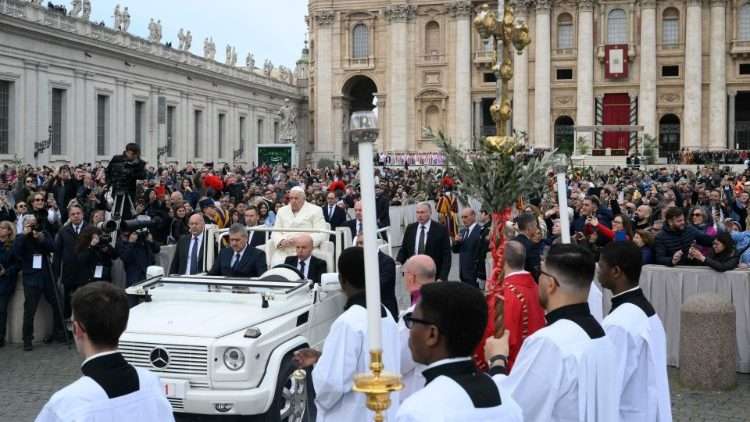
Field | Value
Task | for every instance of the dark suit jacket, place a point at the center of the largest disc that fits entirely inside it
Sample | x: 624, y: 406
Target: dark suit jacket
x: 337, y: 219
x: 317, y: 267
x: 179, y: 261
x: 387, y: 267
x: 252, y: 263
x: 438, y: 247
x: 469, y: 258
x: 258, y: 238
x: 533, y: 262
x: 65, y: 255
x: 352, y: 224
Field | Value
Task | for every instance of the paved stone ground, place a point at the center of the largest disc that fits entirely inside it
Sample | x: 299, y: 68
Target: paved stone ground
x: 30, y: 378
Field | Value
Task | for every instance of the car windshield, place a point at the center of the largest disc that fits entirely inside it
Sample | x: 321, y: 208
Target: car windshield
x: 207, y: 284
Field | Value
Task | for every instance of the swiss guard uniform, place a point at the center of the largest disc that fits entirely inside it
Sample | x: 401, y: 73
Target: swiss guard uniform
x: 638, y: 335
x: 111, y: 390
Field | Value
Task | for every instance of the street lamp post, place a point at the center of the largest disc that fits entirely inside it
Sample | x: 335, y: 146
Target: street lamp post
x: 377, y: 385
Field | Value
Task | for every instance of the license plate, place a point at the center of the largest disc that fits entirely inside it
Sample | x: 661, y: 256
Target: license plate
x: 173, y: 389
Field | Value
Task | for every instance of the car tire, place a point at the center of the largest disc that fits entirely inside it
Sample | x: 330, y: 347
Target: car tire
x: 288, y: 406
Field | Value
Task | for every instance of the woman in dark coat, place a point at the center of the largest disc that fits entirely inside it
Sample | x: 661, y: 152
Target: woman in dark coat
x: 8, y: 273
x: 722, y: 257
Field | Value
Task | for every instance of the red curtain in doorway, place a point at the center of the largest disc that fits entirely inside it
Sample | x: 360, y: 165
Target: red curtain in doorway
x: 616, y: 112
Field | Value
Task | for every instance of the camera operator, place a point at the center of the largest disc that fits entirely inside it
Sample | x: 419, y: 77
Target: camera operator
x: 122, y: 174
x: 95, y: 255
x: 32, y: 249
x: 66, y: 261
x: 136, y: 249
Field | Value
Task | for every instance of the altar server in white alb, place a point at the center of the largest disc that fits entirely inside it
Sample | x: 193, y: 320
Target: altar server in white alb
x: 111, y: 390
x: 564, y: 371
x: 346, y: 351
x: 299, y: 214
x: 418, y: 271
x: 445, y: 328
x: 638, y: 335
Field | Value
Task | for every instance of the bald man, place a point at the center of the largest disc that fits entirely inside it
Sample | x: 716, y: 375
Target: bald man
x: 418, y: 271
x: 299, y: 214
x: 188, y: 256
x: 310, y: 267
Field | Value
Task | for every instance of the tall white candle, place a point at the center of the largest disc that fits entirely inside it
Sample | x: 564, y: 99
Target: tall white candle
x: 369, y: 231
x: 562, y: 201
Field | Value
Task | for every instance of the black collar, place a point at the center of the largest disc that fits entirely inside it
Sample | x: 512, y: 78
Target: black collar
x: 580, y: 314
x: 361, y: 300
x: 480, y: 388
x: 451, y: 369
x: 637, y: 298
x: 113, y: 374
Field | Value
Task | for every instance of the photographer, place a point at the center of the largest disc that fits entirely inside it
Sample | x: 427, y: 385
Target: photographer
x: 137, y: 250
x: 122, y: 174
x: 32, y: 249
x: 95, y: 255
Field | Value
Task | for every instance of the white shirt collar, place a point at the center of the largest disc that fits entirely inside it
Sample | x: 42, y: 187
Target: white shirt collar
x: 627, y: 291
x: 446, y: 361
x: 200, y: 237
x: 98, y: 355
x: 426, y: 226
x: 242, y: 252
x: 471, y: 228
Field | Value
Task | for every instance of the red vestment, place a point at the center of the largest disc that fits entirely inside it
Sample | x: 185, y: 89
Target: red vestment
x: 522, y: 312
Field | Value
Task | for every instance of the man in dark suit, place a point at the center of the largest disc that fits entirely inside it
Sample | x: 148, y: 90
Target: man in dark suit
x: 333, y: 214
x: 251, y: 218
x: 310, y: 267
x: 468, y: 246
x: 188, y: 256
x: 239, y: 260
x: 355, y: 225
x: 427, y: 237
x: 382, y: 206
x: 66, y: 261
x: 528, y: 232
x: 387, y: 271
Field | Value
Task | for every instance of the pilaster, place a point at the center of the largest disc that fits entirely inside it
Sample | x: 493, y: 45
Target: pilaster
x: 717, y: 123
x: 585, y: 67
x: 647, y: 92
x: 461, y: 9
x: 542, y: 76
x: 398, y: 15
x: 324, y: 81
x: 693, y: 76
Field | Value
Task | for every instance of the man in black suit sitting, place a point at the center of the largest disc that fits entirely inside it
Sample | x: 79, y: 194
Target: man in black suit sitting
x: 333, y: 214
x: 356, y: 225
x: 188, y: 256
x: 239, y: 260
x: 427, y: 237
x: 311, y: 267
x: 468, y: 246
x: 251, y: 218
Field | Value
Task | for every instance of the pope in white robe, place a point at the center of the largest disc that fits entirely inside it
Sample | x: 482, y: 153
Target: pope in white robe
x: 345, y: 354
x: 639, y: 338
x: 86, y: 401
x: 299, y: 214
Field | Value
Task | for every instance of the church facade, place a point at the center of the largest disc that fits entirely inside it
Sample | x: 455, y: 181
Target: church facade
x: 679, y: 68
x: 86, y: 90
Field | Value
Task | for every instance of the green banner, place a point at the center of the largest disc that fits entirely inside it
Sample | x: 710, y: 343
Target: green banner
x: 275, y: 155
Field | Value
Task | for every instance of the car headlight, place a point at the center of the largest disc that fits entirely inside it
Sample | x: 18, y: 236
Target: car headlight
x: 234, y: 359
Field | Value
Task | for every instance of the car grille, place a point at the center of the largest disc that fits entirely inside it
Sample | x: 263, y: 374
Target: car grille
x: 177, y: 404
x: 183, y: 360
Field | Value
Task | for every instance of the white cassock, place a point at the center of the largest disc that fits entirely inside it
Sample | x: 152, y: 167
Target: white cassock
x: 638, y: 335
x: 308, y: 217
x: 411, y: 372
x: 86, y: 401
x: 564, y: 371
x: 596, y: 304
x: 345, y: 354
x: 457, y: 392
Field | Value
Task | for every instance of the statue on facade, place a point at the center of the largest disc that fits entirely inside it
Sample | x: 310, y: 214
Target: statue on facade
x: 181, y: 39
x: 188, y: 41
x: 151, y: 30
x: 75, y: 8
x: 288, y: 127
x: 228, y: 55
x: 267, y: 68
x: 250, y: 62
x: 234, y: 56
x: 158, y: 31
x: 283, y: 73
x: 117, y: 17
x: 125, y: 21
x: 36, y: 3
x: 209, y: 48
x: 86, y: 9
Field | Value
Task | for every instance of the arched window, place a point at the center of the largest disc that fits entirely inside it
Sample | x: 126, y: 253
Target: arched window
x: 432, y: 117
x: 617, y: 27
x: 360, y: 41
x: 564, y: 31
x: 432, y: 39
x: 670, y: 27
x: 743, y: 23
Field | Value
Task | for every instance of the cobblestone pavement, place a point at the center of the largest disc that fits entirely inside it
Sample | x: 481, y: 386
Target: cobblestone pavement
x: 30, y: 378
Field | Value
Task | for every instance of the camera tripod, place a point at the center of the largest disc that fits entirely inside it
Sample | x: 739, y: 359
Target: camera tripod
x: 121, y: 200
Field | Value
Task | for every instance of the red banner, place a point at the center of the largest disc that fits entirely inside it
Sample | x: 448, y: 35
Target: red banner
x: 616, y: 61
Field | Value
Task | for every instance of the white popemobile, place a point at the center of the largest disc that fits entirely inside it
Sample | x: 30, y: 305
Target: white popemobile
x: 224, y: 346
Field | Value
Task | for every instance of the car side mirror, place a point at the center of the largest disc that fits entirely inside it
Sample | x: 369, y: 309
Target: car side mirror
x: 154, y: 271
x: 330, y: 282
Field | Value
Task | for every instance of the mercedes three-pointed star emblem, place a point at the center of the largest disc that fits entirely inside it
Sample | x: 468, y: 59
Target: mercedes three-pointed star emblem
x: 159, y: 358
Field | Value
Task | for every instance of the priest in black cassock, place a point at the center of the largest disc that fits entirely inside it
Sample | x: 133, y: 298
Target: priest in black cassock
x: 445, y: 327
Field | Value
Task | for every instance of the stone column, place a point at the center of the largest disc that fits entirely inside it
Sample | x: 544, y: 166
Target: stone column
x: 717, y: 123
x: 324, y: 85
x: 542, y: 76
x: 520, y: 80
x: 461, y: 9
x: 730, y: 130
x: 398, y: 16
x: 693, y: 76
x: 585, y: 85
x: 478, y: 120
x: 29, y: 115
x: 647, y: 92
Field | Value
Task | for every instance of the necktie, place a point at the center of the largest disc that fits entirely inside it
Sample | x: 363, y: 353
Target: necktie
x: 302, y: 268
x: 359, y: 228
x: 330, y: 212
x: 422, y: 235
x: 236, y: 261
x: 194, y: 257
x: 77, y: 229
x: 466, y: 233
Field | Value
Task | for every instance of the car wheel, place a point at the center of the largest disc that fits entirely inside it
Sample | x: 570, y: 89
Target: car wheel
x: 293, y: 397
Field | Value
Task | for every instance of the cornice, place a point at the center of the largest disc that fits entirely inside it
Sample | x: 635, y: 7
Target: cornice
x: 543, y: 5
x: 587, y: 5
x: 325, y: 17
x: 460, y: 8
x: 400, y: 12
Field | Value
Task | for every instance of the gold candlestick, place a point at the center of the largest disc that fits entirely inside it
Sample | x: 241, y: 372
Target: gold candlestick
x: 377, y: 386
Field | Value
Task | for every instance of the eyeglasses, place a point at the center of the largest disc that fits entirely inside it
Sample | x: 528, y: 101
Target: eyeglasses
x: 21, y: 205
x: 409, y: 321
x: 38, y: 199
x: 550, y: 276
